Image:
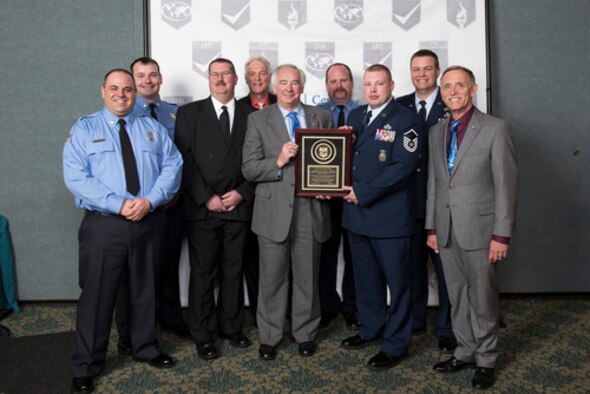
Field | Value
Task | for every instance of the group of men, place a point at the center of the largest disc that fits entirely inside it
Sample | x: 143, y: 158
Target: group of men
x: 429, y: 171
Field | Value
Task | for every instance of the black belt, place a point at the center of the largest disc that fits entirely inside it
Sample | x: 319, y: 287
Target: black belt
x: 97, y: 213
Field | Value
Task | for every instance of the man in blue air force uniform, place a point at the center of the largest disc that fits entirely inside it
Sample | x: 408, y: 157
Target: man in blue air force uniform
x: 121, y: 168
x: 380, y: 219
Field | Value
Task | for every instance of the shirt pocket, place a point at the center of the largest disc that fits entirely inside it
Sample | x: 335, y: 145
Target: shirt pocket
x: 101, y: 155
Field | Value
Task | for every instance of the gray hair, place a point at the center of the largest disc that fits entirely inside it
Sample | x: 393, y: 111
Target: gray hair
x: 274, y: 78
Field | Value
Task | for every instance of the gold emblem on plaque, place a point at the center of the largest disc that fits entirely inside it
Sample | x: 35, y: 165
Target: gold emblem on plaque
x: 323, y: 151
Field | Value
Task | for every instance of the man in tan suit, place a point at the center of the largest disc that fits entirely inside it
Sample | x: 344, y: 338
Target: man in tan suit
x: 470, y: 212
x: 290, y: 230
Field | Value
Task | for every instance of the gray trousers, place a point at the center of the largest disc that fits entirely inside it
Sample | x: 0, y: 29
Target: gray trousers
x: 471, y: 283
x: 300, y: 253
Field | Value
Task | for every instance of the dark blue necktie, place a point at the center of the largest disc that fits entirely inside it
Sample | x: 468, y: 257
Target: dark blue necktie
x: 294, y: 125
x: 452, y: 148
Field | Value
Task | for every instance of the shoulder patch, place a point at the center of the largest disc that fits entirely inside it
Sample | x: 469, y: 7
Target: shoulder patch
x: 411, y: 140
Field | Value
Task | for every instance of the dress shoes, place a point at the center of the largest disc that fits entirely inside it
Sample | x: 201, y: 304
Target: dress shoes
x: 383, y: 361
x: 267, y: 352
x: 452, y: 365
x: 181, y: 330
x: 236, y: 340
x: 207, y: 350
x: 124, y: 347
x: 161, y: 361
x: 355, y: 342
x: 484, y: 378
x: 447, y: 344
x: 352, y: 320
x: 83, y: 385
x: 307, y: 349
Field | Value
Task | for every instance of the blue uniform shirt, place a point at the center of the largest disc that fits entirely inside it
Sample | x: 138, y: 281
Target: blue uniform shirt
x: 93, y: 164
x: 165, y: 111
x: 333, y: 108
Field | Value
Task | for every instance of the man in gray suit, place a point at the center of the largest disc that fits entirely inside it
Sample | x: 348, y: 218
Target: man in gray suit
x: 470, y: 212
x: 290, y: 230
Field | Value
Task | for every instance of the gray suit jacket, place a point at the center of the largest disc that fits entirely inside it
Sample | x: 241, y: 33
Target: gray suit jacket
x: 479, y: 199
x: 275, y: 190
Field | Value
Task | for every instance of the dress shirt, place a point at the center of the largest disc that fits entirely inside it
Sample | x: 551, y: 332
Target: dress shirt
x: 300, y: 117
x: 93, y: 164
x: 429, y: 102
x: 166, y: 112
x: 333, y: 108
x: 231, y: 110
x: 376, y: 111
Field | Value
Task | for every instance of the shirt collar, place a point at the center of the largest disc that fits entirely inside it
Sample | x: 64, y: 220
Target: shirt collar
x: 217, y: 105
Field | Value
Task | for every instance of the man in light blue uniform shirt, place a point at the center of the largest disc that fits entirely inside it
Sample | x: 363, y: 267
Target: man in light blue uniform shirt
x: 339, y: 85
x: 121, y: 168
x: 148, y: 79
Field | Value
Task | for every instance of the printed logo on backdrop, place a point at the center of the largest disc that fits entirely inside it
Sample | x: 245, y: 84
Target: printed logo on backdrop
x: 318, y: 57
x: 406, y: 13
x: 377, y: 53
x: 178, y: 100
x: 293, y: 13
x: 461, y: 13
x: 176, y: 13
x: 235, y: 13
x: 268, y: 50
x: 441, y: 48
x: 348, y: 13
x: 203, y: 53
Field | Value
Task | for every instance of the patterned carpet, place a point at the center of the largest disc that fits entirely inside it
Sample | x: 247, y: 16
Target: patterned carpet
x: 544, y: 349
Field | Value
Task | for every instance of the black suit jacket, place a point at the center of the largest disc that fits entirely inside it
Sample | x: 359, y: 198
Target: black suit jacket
x: 438, y: 112
x: 246, y: 100
x: 213, y: 165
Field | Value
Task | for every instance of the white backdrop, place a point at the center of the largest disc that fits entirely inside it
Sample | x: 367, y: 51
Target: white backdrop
x: 185, y: 35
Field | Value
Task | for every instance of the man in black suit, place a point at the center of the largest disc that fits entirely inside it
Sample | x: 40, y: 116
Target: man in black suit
x: 217, y: 209
x: 428, y: 104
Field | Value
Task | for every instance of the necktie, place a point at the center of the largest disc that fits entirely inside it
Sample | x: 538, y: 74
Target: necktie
x: 224, y: 122
x: 294, y: 125
x: 129, y: 164
x: 153, y: 111
x: 341, y: 121
x: 453, y: 147
x: 367, y: 120
x: 422, y: 112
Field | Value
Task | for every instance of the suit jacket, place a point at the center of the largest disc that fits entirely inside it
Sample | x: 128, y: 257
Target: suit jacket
x: 438, y: 113
x: 383, y: 173
x: 479, y: 199
x: 213, y: 164
x: 275, y: 190
x: 246, y: 100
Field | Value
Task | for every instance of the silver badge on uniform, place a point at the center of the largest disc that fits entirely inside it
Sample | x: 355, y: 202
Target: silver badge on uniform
x: 382, y: 155
x: 411, y: 141
x: 172, y: 117
x: 150, y: 136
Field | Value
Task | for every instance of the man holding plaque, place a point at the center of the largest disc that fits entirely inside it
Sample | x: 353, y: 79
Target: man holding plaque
x: 339, y: 85
x: 290, y: 230
x: 380, y: 219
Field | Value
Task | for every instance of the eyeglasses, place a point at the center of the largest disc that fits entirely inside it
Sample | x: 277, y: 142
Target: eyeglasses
x: 224, y: 74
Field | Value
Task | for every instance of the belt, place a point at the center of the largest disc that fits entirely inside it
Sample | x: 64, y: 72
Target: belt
x: 97, y: 213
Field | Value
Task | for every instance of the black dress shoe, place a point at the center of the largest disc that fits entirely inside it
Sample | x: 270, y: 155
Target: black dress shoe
x: 452, y: 365
x: 162, y: 361
x: 352, y: 320
x: 355, y: 342
x: 447, y: 344
x: 307, y: 349
x: 326, y: 319
x: 484, y: 378
x: 237, y: 340
x: 124, y: 347
x: 207, y: 350
x: 267, y: 352
x: 383, y: 361
x: 82, y: 385
x: 181, y: 330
